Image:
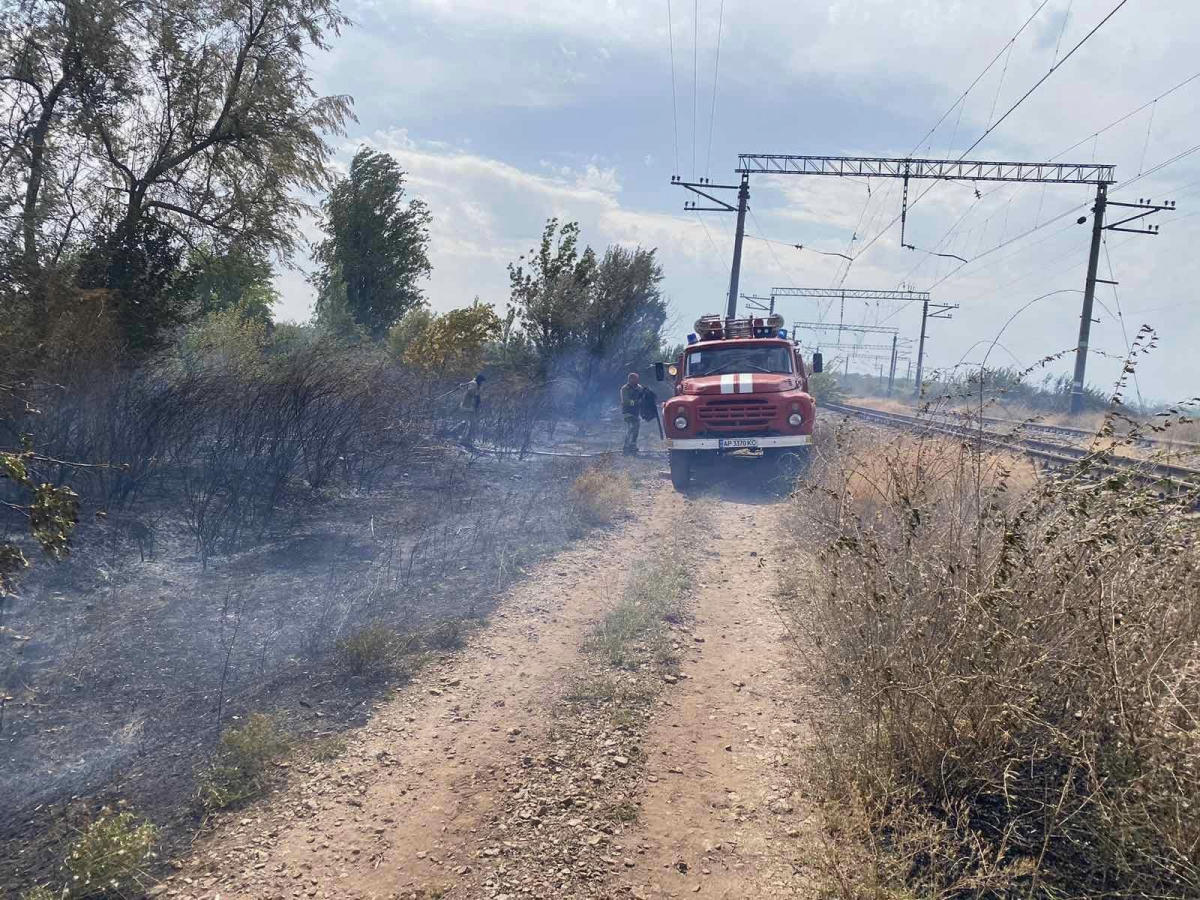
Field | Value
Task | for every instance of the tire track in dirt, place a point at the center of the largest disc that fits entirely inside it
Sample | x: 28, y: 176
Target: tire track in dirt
x: 416, y: 807
x: 397, y: 814
x: 720, y: 817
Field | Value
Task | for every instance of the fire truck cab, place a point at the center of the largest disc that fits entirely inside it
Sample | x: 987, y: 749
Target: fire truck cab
x: 741, y: 386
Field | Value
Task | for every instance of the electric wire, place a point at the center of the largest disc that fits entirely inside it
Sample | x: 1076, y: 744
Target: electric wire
x: 978, y: 78
x: 674, y: 92
x: 1000, y: 83
x: 704, y: 224
x: 1063, y: 30
x: 1146, y: 145
x: 762, y: 236
x: 1127, y: 116
x: 767, y: 240
x: 1054, y: 68
x: 1091, y: 137
x: 712, y: 115
x: 695, y: 79
x: 1121, y: 317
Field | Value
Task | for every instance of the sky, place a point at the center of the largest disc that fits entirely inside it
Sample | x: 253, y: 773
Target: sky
x: 505, y: 114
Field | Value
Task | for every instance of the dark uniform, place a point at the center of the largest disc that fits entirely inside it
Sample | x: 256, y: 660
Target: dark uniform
x: 631, y: 404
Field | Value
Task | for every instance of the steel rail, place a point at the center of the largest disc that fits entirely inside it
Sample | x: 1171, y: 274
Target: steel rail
x: 1180, y: 478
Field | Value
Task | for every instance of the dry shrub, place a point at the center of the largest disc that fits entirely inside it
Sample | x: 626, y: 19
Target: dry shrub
x: 110, y: 856
x: 1016, y: 675
x: 371, y: 650
x: 600, y: 494
x: 242, y: 765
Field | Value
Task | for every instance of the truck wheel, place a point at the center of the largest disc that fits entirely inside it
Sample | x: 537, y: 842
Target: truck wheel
x: 789, y: 464
x: 681, y: 468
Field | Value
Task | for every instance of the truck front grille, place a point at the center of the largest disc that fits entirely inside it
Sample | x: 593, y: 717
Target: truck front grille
x: 739, y: 412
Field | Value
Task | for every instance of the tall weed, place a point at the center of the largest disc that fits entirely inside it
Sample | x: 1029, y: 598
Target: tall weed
x: 1014, y: 664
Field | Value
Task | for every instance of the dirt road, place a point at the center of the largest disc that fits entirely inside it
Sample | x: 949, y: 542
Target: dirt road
x: 479, y: 779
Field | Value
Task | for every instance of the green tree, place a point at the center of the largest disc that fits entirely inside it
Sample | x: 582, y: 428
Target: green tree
x: 213, y: 282
x: 624, y: 319
x: 375, y: 249
x: 189, y: 121
x: 549, y: 287
x: 332, y: 315
x: 137, y: 272
x: 591, y: 320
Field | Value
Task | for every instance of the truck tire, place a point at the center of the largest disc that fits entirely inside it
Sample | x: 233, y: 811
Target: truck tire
x: 681, y: 468
x: 788, y: 465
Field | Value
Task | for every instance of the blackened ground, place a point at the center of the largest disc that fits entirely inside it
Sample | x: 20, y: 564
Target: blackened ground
x: 115, y: 665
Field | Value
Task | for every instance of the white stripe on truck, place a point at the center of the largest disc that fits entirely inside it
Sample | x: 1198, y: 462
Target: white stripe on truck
x: 727, y: 384
x: 745, y: 384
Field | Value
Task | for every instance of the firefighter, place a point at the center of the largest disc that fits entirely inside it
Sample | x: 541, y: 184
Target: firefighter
x: 631, y: 405
x: 470, y: 404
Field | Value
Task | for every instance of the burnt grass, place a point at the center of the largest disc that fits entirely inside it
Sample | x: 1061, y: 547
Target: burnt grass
x: 126, y: 670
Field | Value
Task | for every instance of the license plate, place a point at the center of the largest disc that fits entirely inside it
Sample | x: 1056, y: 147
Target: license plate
x: 739, y: 443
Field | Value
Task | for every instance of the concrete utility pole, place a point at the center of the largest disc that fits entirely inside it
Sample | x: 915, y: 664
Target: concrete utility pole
x: 702, y: 187
x: 1089, y: 286
x: 1089, y: 295
x: 892, y: 370
x: 940, y: 311
x: 738, y: 235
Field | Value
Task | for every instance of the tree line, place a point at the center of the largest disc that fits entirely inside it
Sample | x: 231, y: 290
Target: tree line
x: 157, y: 160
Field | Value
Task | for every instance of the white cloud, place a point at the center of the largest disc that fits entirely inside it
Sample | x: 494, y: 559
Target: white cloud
x: 573, y: 104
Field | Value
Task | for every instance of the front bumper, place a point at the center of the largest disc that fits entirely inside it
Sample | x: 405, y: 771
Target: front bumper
x: 762, y: 443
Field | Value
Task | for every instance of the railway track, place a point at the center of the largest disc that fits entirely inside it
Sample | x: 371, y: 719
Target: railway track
x: 1178, y: 479
x: 1081, y: 434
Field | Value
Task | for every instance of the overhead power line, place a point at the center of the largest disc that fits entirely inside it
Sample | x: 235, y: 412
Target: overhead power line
x: 978, y: 78
x: 1063, y: 30
x: 674, y: 101
x: 1091, y: 137
x: 700, y: 219
x: 1037, y: 84
x: 763, y: 237
x: 695, y: 79
x: 1054, y: 68
x: 712, y: 115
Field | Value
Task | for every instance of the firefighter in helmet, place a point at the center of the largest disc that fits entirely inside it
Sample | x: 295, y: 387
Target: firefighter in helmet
x: 631, y: 403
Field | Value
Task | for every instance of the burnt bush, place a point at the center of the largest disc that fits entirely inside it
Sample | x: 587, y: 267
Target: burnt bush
x: 1013, y: 667
x: 254, y: 437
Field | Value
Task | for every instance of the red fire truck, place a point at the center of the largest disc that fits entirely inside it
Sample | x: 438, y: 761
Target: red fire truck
x: 740, y: 387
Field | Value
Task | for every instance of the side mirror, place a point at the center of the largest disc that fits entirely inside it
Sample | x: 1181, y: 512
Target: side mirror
x: 818, y: 362
x: 659, y: 372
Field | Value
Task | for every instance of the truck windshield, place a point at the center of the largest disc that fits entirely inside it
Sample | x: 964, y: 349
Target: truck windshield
x: 723, y: 360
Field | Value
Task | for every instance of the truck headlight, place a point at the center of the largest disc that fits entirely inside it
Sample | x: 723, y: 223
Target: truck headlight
x: 681, y: 422
x: 795, y: 420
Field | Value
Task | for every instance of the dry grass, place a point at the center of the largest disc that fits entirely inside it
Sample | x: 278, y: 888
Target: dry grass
x: 601, y: 494
x: 633, y: 632
x: 1015, y: 667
